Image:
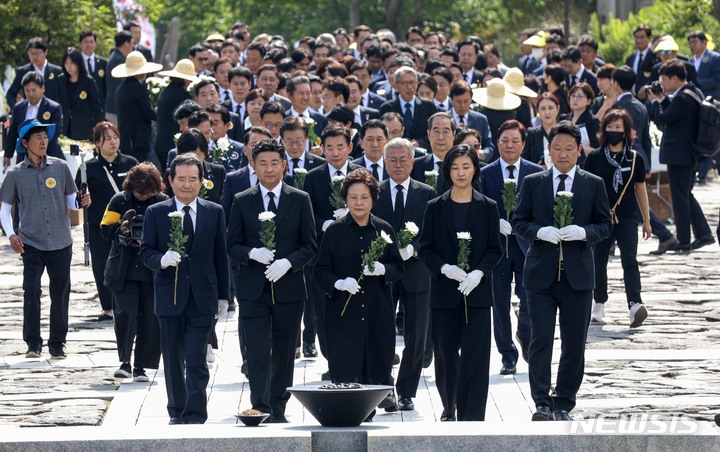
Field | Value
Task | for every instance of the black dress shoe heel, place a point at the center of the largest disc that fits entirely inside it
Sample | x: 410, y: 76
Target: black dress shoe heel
x: 543, y: 413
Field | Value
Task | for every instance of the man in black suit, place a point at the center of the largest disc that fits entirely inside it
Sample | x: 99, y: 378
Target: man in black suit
x: 132, y: 100
x: 373, y: 137
x: 461, y: 99
x: 368, y: 98
x: 96, y: 66
x: 190, y: 291
x: 354, y: 102
x: 623, y: 79
x: 403, y: 200
x: 35, y: 105
x: 136, y: 32
x: 335, y: 142
x: 268, y: 79
x: 576, y: 72
x: 469, y: 52
x: 511, y: 140
x: 415, y: 111
x: 678, y: 118
x: 642, y: 59
x: 123, y: 47
x: 560, y: 281
x: 37, y: 54
x: 271, y: 302
x: 299, y: 93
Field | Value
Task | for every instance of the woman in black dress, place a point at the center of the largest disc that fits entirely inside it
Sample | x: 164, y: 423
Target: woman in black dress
x: 554, y: 80
x: 536, y: 142
x: 581, y: 97
x: 623, y: 171
x: 360, y: 342
x: 79, y: 97
x: 460, y: 300
x: 105, y: 175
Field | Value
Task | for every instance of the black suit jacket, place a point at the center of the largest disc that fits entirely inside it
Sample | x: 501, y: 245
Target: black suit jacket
x: 83, y: 110
x: 641, y: 124
x: 294, y: 235
x: 415, y: 277
x: 135, y: 117
x: 423, y: 110
x: 49, y: 112
x: 50, y: 77
x: 427, y: 163
x: 439, y: 246
x: 112, y: 83
x: 360, y: 161
x: 587, y: 77
x: 318, y: 186
x: 98, y: 74
x: 214, y: 179
x: 205, y: 271
x: 237, y: 182
x: 534, y: 150
x: 591, y: 124
x: 170, y: 98
x: 147, y: 53
x: 366, y: 114
x: 591, y: 211
x: 311, y: 162
x: 645, y: 70
x: 374, y: 101
x: 678, y: 119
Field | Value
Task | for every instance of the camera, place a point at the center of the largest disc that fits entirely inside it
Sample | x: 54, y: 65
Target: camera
x: 654, y: 87
x: 133, y: 234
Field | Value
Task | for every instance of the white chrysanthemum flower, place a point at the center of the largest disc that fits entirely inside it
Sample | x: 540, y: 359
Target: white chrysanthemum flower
x: 223, y: 144
x: 300, y: 171
x: 177, y: 136
x: 412, y: 228
x: 565, y: 194
x: 266, y: 216
x: 337, y: 179
x: 510, y: 181
x: 175, y: 214
x: 385, y: 237
x: 310, y: 122
x: 463, y: 236
x: 381, y: 92
x: 431, y: 173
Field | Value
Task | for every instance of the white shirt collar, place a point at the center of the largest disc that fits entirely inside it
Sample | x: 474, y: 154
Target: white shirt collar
x: 504, y: 165
x: 305, y: 114
x: 40, y: 70
x: 570, y: 174
x: 301, y: 158
x: 369, y: 162
x: 626, y: 93
x: 333, y: 170
x: 193, y: 205
x: 579, y: 73
x: 403, y: 102
x: 276, y: 190
x: 405, y: 184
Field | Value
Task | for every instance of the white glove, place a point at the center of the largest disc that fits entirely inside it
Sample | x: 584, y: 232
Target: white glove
x: 277, y: 270
x: 262, y: 255
x: 222, y: 308
x: 407, y: 252
x: 339, y: 213
x: 348, y: 285
x: 327, y: 224
x: 572, y: 233
x: 379, y: 270
x: 470, y: 282
x: 505, y: 227
x: 453, y: 272
x: 170, y: 258
x: 550, y: 234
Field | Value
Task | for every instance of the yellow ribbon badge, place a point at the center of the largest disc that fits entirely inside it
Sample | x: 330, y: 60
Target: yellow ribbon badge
x: 208, y: 184
x: 83, y: 95
x: 101, y: 73
x: 50, y: 182
x: 46, y: 115
x: 51, y: 76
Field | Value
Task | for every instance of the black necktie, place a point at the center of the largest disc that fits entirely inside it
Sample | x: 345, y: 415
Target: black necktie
x: 399, y: 205
x: 339, y: 173
x: 408, y: 118
x: 561, y: 185
x: 296, y: 163
x: 188, y: 229
x: 375, y: 173
x: 439, y: 165
x: 271, y: 202
x: 511, y: 170
x: 574, y: 80
x: 462, y: 121
x: 226, y: 96
x: 238, y: 110
x: 90, y: 69
x: 640, y: 60
x: 440, y: 107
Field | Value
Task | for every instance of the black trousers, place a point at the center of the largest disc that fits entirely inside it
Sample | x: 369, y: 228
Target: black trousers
x: 183, y: 341
x: 319, y: 301
x: 99, y: 253
x: 235, y: 271
x: 57, y: 263
x: 310, y: 329
x: 135, y: 321
x: 416, y: 321
x: 462, y: 378
x: 687, y: 210
x: 274, y: 329
x: 626, y: 234
x: 574, y: 306
x: 510, y: 266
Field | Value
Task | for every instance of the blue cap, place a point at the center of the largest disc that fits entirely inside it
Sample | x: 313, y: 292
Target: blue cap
x: 25, y: 128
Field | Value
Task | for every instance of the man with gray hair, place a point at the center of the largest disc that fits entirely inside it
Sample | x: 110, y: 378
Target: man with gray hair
x: 402, y: 200
x: 415, y: 111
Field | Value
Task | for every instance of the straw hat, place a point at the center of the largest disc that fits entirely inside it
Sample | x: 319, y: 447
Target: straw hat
x: 497, y: 96
x: 536, y: 40
x: 667, y: 43
x: 135, y: 64
x: 215, y: 37
x: 516, y: 80
x: 184, y: 69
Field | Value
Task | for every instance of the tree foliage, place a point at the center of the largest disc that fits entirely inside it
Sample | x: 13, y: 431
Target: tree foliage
x: 675, y: 17
x: 58, y: 22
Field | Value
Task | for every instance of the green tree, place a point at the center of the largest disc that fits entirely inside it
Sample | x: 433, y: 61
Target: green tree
x: 58, y: 22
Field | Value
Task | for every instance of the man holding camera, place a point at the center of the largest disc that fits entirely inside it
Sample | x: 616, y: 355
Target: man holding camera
x: 44, y: 186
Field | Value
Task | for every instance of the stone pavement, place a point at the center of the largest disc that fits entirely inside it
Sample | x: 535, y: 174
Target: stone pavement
x: 669, y: 366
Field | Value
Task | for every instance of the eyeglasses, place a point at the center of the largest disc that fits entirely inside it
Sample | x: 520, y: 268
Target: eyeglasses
x: 444, y: 133
x: 665, y: 52
x: 359, y: 199
x: 393, y: 162
x: 578, y: 97
x: 273, y: 125
x: 408, y: 83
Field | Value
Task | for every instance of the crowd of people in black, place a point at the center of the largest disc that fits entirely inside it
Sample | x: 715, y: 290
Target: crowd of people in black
x: 358, y: 186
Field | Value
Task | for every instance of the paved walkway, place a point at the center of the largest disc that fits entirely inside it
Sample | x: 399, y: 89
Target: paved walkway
x: 671, y: 365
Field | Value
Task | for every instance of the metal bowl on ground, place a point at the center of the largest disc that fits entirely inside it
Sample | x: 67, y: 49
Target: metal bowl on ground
x: 252, y: 420
x: 340, y: 405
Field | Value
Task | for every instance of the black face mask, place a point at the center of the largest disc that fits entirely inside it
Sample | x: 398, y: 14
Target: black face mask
x: 615, y: 138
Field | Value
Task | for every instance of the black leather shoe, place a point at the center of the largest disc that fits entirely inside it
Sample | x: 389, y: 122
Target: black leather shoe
x: 717, y: 419
x: 508, y: 369
x: 683, y: 249
x: 280, y: 419
x: 325, y: 376
x: 370, y: 417
x: 562, y: 415
x: 175, y: 421
x: 231, y: 307
x: 543, y: 413
x: 309, y: 350
x: 388, y: 403
x: 702, y: 241
x: 405, y: 404
x: 447, y: 416
x: 396, y: 359
x: 665, y: 246
x: 298, y: 353
x: 244, y: 368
